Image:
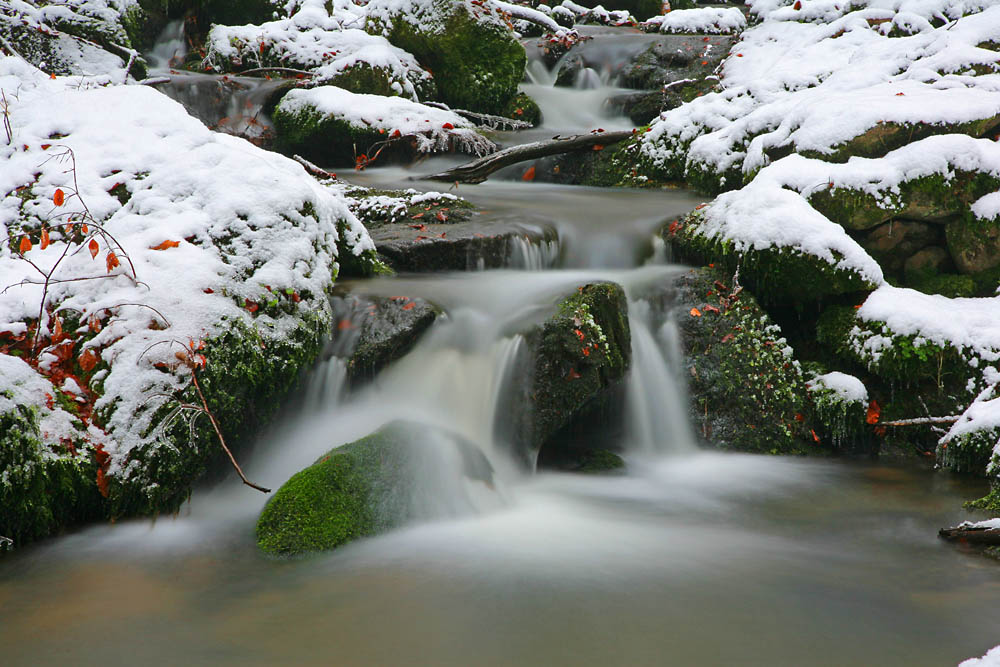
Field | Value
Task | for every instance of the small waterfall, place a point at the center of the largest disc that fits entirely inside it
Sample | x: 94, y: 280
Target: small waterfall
x: 225, y: 103
x: 655, y: 399
x: 531, y: 256
x: 169, y: 50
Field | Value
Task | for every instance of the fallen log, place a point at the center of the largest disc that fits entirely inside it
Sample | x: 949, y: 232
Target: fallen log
x: 971, y: 533
x: 478, y: 170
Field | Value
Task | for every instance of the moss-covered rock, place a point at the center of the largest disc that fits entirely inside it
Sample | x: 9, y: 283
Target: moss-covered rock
x: 892, y: 243
x: 476, y: 60
x: 522, y: 107
x: 41, y: 493
x: 777, y: 275
x: 840, y: 404
x: 244, y: 381
x: 578, y: 357
x: 974, y: 244
x: 747, y: 391
x: 364, y: 488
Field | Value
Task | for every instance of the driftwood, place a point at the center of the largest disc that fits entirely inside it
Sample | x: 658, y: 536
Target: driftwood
x: 968, y: 532
x: 478, y: 170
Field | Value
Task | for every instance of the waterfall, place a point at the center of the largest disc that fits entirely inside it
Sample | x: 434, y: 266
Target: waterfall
x: 655, y: 400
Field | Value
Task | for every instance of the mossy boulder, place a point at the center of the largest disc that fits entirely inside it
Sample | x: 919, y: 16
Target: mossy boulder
x: 974, y: 243
x: 892, y: 243
x: 840, y: 405
x: 367, y: 487
x: 476, y: 60
x: 577, y: 358
x: 775, y: 274
x: 748, y: 393
x: 522, y: 107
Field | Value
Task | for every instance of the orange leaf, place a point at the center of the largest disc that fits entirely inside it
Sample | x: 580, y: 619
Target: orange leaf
x: 45, y: 239
x: 442, y: 216
x: 873, y: 413
x: 598, y: 147
x: 165, y: 245
x: 59, y: 197
x: 448, y: 126
x: 88, y: 360
x: 529, y: 175
x: 93, y: 247
x: 815, y: 437
x: 573, y: 375
x: 410, y: 305
x: 25, y: 245
x: 797, y: 5
x: 112, y: 261
x: 250, y: 305
x: 711, y: 309
x: 344, y: 325
x: 695, y: 312
x: 84, y: 228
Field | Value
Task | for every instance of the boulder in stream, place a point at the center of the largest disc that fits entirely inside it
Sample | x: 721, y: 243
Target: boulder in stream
x: 578, y: 358
x: 402, y: 472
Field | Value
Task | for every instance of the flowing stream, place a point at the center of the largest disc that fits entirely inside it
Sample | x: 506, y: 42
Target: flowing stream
x: 691, y: 557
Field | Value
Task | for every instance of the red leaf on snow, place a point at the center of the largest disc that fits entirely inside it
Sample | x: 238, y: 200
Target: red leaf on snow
x: 165, y: 245
x: 112, y: 261
x: 250, y: 305
x: 448, y: 126
x: 93, y: 247
x: 58, y: 197
x: 45, y: 239
x: 25, y: 245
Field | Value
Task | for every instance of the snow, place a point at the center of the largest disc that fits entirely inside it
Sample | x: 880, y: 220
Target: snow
x: 971, y: 325
x: 757, y: 217
x: 704, y: 20
x: 234, y: 211
x: 813, y: 86
x: 991, y: 659
x: 434, y: 129
x: 316, y: 40
x: 846, y: 387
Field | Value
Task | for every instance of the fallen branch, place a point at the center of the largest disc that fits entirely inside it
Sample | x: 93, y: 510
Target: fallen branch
x: 282, y: 70
x: 917, y: 421
x: 970, y: 532
x: 319, y: 172
x: 154, y: 81
x: 479, y: 170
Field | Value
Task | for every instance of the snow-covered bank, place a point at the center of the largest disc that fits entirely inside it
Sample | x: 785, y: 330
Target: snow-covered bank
x: 156, y: 236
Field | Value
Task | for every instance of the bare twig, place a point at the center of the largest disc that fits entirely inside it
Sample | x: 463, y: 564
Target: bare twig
x: 222, y: 441
x: 917, y: 421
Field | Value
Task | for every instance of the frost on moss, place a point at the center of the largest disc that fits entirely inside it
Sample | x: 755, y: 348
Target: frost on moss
x: 840, y: 402
x: 476, y: 60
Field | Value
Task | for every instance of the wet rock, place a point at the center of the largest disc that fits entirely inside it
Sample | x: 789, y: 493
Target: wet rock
x: 933, y: 259
x: 578, y: 357
x: 675, y: 58
x: 974, y: 244
x: 747, y: 391
x: 455, y: 247
x: 370, y: 486
x: 373, y: 331
x: 892, y: 243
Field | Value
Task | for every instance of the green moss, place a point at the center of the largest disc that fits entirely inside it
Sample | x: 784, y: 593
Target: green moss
x: 244, y: 381
x: 477, y: 63
x: 888, y: 136
x: 842, y: 422
x: 853, y: 209
x: 363, y: 78
x: 949, y: 285
x: 969, y: 453
x: 522, y: 107
x: 600, y: 461
x: 989, y: 503
x: 360, y: 489
x: 778, y: 275
x: 748, y: 392
x: 41, y: 493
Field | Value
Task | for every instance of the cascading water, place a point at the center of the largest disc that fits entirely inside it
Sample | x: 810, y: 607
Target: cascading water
x: 230, y: 104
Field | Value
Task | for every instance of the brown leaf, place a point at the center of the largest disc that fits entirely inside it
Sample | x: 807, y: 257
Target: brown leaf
x: 88, y: 360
